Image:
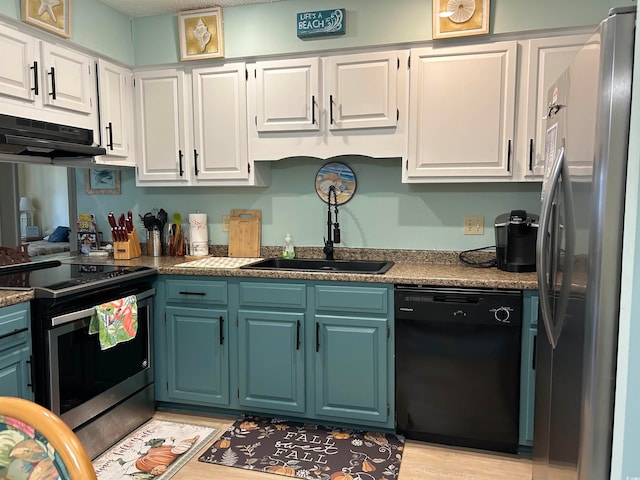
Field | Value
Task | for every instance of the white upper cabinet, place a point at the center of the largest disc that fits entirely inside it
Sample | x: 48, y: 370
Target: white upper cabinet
x: 462, y: 113
x: 192, y: 128
x: 328, y: 106
x: 220, y: 123
x: 69, y: 79
x: 287, y: 95
x: 18, y: 75
x: 47, y: 81
x: 361, y: 90
x: 546, y: 58
x: 161, y: 131
x: 115, y: 97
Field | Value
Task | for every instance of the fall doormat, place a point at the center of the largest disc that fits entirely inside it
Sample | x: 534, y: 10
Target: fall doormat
x: 304, y: 450
x: 156, y: 450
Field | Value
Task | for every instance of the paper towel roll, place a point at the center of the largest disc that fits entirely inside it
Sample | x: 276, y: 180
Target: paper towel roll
x: 199, y: 237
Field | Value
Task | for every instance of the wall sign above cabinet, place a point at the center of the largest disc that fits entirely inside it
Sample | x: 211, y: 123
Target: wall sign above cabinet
x: 321, y: 23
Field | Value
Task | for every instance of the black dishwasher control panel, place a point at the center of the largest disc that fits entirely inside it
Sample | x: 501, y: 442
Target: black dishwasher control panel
x: 459, y: 304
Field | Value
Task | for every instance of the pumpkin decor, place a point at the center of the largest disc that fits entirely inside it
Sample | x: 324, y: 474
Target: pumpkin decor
x: 341, y: 476
x: 157, y: 459
x: 282, y: 470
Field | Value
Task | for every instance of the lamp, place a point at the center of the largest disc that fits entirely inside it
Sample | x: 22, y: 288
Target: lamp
x: 26, y: 218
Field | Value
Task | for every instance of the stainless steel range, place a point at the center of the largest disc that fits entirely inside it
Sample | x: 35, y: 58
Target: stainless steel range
x: 101, y: 394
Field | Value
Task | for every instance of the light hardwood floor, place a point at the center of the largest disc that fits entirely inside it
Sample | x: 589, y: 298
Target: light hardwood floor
x: 420, y: 461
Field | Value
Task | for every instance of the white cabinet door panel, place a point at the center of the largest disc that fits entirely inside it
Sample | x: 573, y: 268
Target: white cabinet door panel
x: 462, y: 112
x: 220, y: 123
x: 160, y: 100
x: 361, y: 90
x: 287, y: 95
x: 69, y: 79
x: 18, y: 75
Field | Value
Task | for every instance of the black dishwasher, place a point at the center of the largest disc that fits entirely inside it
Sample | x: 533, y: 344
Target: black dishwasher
x: 458, y: 366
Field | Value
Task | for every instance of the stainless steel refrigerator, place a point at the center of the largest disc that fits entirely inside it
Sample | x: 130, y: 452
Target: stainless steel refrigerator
x: 579, y: 255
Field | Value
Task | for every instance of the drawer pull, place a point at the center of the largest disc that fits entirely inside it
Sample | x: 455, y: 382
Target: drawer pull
x: 221, y: 330
x: 317, y: 337
x: 202, y: 294
x: 298, y: 335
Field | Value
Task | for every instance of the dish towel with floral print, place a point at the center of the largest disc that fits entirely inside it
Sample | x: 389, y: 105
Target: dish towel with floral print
x: 115, y: 321
x: 305, y: 450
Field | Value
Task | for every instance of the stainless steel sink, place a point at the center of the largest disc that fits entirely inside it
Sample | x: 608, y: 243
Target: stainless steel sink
x: 318, y: 265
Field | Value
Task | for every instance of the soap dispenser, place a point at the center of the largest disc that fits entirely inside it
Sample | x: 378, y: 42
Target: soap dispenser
x: 287, y: 250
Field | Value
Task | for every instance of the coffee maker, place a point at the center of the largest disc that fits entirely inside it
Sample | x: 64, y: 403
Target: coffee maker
x: 516, y: 233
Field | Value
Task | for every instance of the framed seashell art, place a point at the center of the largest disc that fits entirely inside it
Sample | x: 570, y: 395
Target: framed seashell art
x: 50, y: 15
x: 201, y: 34
x: 457, y: 18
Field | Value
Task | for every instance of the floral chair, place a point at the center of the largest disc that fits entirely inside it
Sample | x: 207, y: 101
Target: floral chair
x: 36, y: 444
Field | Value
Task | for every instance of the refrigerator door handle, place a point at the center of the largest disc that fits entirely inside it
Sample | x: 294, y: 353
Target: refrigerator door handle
x: 544, y: 280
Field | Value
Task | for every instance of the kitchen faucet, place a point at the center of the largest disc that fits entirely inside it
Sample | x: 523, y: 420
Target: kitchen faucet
x: 329, y: 240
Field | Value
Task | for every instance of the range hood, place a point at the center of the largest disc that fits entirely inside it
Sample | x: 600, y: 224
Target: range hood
x: 35, y: 141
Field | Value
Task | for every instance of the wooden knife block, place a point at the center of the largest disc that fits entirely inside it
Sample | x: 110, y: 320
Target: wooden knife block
x: 128, y: 249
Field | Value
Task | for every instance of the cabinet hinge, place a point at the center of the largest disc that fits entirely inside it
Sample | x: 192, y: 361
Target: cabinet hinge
x: 134, y: 83
x: 388, y: 332
x: 167, y: 386
x: 397, y: 114
x: 388, y: 410
x: 238, y: 393
x: 409, y: 62
x: 255, y: 120
x: 249, y: 167
x: 236, y: 320
x: 255, y: 73
x: 406, y: 164
x: 398, y: 63
x: 246, y: 74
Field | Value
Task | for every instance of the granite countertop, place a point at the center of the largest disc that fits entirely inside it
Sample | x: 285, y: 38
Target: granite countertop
x: 420, y: 267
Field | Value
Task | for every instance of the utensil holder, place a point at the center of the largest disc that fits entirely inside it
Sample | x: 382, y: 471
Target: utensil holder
x: 129, y: 249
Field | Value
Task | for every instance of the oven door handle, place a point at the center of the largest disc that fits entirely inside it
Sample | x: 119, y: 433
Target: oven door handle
x: 88, y: 312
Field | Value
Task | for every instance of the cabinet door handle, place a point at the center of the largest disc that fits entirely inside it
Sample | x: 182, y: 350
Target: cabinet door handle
x: 31, y: 372
x: 186, y: 292
x: 509, y: 156
x: 317, y: 337
x: 195, y: 161
x: 298, y: 335
x: 15, y: 332
x: 221, y: 330
x: 52, y: 72
x: 110, y: 129
x: 331, y: 108
x: 531, y: 154
x: 35, y: 78
x: 180, y: 162
x: 313, y: 109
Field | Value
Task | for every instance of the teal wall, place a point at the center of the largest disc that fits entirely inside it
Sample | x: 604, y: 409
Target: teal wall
x: 267, y: 29
x: 383, y: 213
x: 93, y: 25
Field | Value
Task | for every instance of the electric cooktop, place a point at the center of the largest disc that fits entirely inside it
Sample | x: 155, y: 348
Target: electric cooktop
x: 53, y: 278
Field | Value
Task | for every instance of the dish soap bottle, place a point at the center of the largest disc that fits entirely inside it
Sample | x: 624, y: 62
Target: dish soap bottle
x: 287, y: 250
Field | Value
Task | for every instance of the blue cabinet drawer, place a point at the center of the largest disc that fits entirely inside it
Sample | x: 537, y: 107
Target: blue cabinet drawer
x: 14, y: 319
x: 352, y: 299
x: 196, y: 291
x: 286, y: 295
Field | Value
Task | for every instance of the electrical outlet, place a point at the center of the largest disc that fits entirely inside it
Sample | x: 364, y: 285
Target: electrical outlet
x: 225, y: 223
x: 474, y: 225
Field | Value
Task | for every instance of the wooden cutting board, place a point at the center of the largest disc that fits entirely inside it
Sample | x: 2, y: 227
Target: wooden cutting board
x: 245, y: 228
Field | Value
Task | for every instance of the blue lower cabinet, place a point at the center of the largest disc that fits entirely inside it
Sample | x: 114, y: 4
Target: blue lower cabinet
x: 351, y: 368
x: 271, y: 360
x: 527, y: 367
x: 15, y: 351
x: 197, y: 355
